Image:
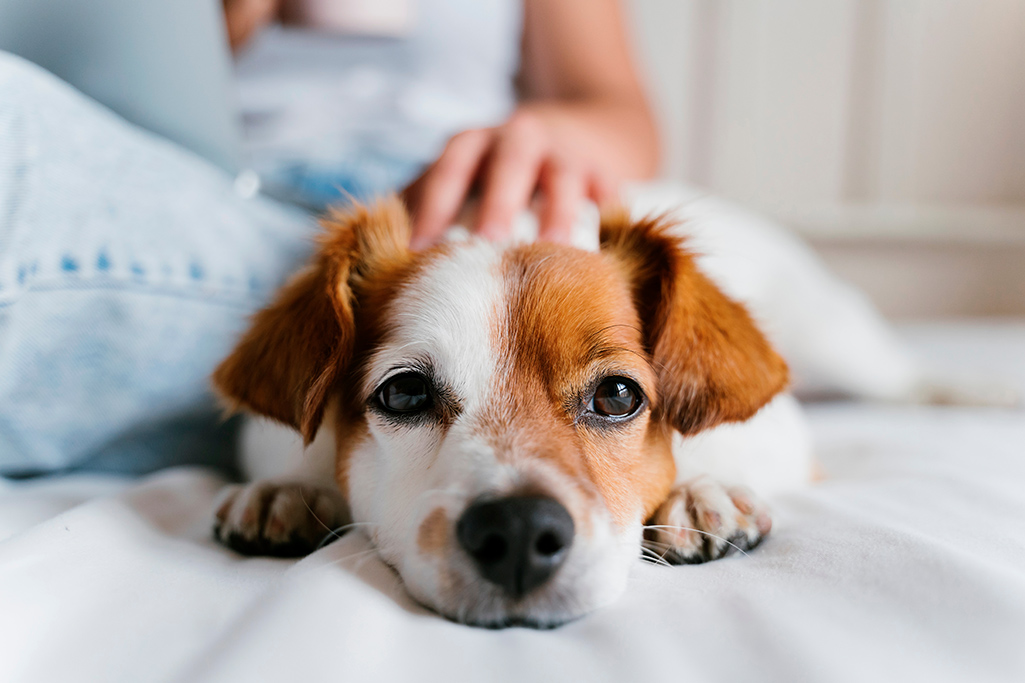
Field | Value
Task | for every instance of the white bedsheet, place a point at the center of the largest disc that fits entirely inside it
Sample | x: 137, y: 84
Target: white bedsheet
x: 907, y: 564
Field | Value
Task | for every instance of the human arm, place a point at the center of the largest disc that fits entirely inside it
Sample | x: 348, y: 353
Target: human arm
x: 244, y: 18
x: 583, y: 125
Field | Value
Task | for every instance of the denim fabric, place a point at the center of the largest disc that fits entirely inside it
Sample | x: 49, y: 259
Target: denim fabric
x: 365, y: 174
x: 128, y: 267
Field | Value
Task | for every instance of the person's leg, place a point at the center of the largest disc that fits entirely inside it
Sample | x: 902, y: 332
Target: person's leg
x: 365, y: 174
x: 127, y: 268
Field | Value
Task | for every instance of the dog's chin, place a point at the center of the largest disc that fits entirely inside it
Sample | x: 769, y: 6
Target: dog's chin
x: 483, y: 605
x: 501, y: 614
x: 516, y: 622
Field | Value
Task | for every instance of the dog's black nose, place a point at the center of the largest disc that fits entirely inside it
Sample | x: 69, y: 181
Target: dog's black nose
x: 517, y: 542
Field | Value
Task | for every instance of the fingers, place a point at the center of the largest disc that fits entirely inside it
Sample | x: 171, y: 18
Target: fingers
x: 511, y: 175
x: 437, y: 196
x: 509, y: 163
x: 602, y: 190
x: 563, y: 188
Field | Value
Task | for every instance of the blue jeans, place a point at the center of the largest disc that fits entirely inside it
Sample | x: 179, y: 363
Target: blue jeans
x: 368, y: 173
x: 128, y: 267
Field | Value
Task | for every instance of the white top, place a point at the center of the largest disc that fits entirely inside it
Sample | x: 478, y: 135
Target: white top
x: 325, y: 97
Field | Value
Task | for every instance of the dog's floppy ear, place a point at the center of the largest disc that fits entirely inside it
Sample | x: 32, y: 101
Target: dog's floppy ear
x: 296, y: 348
x: 712, y: 362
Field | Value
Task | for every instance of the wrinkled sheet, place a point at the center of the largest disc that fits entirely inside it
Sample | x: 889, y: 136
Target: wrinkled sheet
x: 907, y: 563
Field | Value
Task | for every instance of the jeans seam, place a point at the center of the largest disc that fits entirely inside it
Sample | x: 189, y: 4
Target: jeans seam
x: 241, y: 297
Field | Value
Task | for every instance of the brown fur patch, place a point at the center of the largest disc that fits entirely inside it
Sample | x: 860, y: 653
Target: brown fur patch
x: 640, y: 309
x: 284, y: 364
x: 713, y: 364
x: 350, y: 430
x: 433, y: 536
x: 299, y: 347
x: 570, y: 321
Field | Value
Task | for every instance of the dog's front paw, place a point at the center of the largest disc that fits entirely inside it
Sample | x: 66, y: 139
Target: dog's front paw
x: 279, y: 519
x: 703, y: 520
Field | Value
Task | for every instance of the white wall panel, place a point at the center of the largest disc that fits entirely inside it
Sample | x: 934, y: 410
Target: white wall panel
x: 951, y: 84
x: 666, y: 51
x: 889, y: 132
x: 783, y: 102
x: 781, y: 105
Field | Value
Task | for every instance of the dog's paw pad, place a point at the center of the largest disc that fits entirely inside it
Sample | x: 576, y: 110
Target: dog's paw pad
x: 703, y: 520
x: 283, y: 520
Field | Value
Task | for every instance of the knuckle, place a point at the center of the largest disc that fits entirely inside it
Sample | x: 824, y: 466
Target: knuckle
x: 467, y: 139
x: 514, y: 159
x: 563, y: 208
x: 447, y: 174
x: 525, y: 123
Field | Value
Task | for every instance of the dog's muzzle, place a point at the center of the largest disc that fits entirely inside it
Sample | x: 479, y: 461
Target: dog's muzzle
x: 517, y: 542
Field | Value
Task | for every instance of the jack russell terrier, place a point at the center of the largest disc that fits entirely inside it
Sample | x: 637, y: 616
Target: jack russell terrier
x: 512, y: 425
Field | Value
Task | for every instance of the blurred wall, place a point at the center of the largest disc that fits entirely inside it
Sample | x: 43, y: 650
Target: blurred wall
x: 891, y: 133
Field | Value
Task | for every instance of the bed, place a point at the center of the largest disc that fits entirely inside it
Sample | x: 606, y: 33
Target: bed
x: 907, y: 563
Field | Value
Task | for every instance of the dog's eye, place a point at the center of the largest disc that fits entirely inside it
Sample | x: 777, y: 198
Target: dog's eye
x: 616, y: 397
x: 407, y: 393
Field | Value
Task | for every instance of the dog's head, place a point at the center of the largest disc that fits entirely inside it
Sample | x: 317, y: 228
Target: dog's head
x: 503, y: 415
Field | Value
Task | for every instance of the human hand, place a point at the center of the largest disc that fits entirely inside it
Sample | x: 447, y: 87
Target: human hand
x: 507, y: 165
x: 245, y: 17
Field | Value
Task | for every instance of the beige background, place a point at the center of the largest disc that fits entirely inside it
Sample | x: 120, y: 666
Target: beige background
x: 891, y: 133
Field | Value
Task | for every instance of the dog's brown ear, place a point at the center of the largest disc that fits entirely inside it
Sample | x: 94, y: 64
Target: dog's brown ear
x: 298, y: 347
x: 712, y: 362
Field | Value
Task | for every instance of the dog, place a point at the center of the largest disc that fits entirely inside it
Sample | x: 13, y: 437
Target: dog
x: 514, y: 425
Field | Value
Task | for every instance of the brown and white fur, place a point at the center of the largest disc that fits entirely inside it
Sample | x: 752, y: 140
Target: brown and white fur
x: 514, y: 339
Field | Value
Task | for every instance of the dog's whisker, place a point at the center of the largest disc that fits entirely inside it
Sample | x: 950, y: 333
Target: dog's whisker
x: 653, y: 557
x: 340, y: 562
x: 648, y: 542
x: 666, y: 548
x: 700, y: 531
x: 351, y: 525
x: 363, y: 559
x: 302, y: 497
x: 654, y: 547
x: 350, y: 556
x: 338, y: 532
x: 331, y: 533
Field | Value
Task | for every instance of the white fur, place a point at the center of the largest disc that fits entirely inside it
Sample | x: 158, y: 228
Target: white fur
x: 770, y: 453
x: 447, y: 315
x: 273, y: 451
x: 399, y: 475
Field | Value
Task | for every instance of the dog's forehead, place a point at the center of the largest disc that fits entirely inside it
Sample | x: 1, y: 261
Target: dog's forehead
x: 445, y: 314
x: 567, y: 308
x: 475, y: 306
